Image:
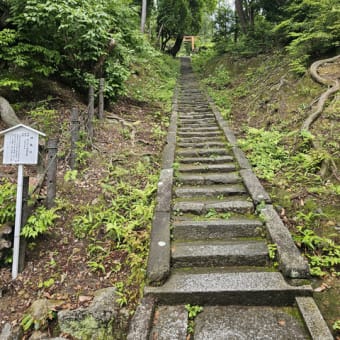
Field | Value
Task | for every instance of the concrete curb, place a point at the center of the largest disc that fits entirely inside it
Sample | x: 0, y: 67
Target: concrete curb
x: 314, y: 321
x: 254, y: 187
x: 158, y: 266
x: 291, y: 262
x: 141, y: 322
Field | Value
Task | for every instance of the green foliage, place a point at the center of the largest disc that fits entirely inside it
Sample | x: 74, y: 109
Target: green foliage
x: 7, y: 202
x: 193, y: 311
x: 272, y: 249
x: 219, y: 79
x: 311, y: 28
x: 38, y: 223
x: 323, y: 254
x: 265, y: 152
x: 45, y: 119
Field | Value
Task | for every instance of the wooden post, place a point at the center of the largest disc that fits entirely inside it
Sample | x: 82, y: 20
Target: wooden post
x: 90, y: 114
x: 101, y: 98
x: 75, y: 126
x: 24, y: 217
x: 52, y: 148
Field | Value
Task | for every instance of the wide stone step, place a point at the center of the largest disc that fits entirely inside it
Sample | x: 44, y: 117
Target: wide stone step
x: 227, y: 178
x: 227, y: 288
x: 193, y: 121
x: 200, y: 134
x: 210, y: 190
x: 201, y: 145
x: 201, y: 139
x: 206, y: 160
x: 203, y: 168
x: 249, y: 322
x: 198, y: 129
x: 216, y: 229
x: 200, y: 208
x: 219, y: 253
x: 203, y: 152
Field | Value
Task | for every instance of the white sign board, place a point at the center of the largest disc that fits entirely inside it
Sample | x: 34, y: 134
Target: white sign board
x: 21, y: 145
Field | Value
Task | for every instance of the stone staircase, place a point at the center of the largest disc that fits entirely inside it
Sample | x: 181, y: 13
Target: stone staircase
x: 209, y: 245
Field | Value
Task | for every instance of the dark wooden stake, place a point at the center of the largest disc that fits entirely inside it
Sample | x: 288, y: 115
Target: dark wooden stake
x: 75, y: 127
x: 101, y: 98
x: 52, y: 147
x: 90, y: 114
x: 24, y: 217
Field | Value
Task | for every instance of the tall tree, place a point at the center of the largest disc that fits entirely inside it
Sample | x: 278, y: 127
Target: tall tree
x: 143, y: 16
x: 177, y: 18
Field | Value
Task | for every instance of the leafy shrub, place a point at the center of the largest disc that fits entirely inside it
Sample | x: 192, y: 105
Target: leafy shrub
x: 7, y: 202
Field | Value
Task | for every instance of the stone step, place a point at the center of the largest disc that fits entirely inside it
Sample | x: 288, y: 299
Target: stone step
x: 185, y: 120
x: 220, y: 206
x: 201, y: 139
x: 169, y: 323
x: 206, y: 160
x: 227, y: 288
x: 201, y: 145
x: 216, y: 229
x: 204, y: 168
x: 204, y: 179
x: 196, y: 129
x: 203, y: 152
x: 210, y: 190
x: 200, y: 134
x: 249, y: 322
x: 219, y: 253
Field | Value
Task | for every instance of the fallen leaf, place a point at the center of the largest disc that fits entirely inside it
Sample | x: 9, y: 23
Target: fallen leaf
x: 282, y: 322
x: 323, y: 287
x: 85, y: 298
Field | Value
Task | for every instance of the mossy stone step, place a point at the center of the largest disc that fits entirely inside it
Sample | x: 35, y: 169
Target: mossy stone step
x: 201, y: 139
x: 204, y: 179
x: 213, y: 152
x: 210, y: 190
x: 200, y: 208
x: 204, y: 168
x: 210, y: 253
x: 216, y: 229
x: 206, y: 160
x: 200, y: 145
x: 227, y: 288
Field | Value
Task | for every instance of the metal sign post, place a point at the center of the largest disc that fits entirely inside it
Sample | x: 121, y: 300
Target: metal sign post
x: 21, y: 146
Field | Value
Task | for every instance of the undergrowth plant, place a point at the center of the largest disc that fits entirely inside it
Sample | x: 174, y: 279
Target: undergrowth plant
x: 7, y: 202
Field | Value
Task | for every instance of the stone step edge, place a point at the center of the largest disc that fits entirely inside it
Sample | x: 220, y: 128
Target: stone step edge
x: 142, y: 320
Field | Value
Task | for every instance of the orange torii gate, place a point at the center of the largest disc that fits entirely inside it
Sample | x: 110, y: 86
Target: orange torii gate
x: 190, y: 38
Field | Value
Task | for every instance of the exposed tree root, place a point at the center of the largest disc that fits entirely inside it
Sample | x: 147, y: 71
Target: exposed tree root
x: 327, y: 164
x: 7, y: 113
x: 335, y: 86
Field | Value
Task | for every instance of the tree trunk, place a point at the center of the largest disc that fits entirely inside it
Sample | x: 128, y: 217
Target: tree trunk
x: 241, y: 15
x: 7, y: 113
x: 143, y: 18
x: 177, y: 46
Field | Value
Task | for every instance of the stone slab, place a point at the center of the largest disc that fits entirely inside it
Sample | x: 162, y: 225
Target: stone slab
x: 140, y: 325
x: 207, y: 160
x: 170, y: 323
x: 199, y: 208
x: 245, y: 323
x: 314, y: 321
x: 199, y: 134
x: 219, y: 253
x: 190, y: 128
x: 202, y: 152
x: 164, y: 191
x: 202, y: 168
x: 216, y: 229
x: 228, y: 178
x: 158, y: 266
x: 291, y: 262
x: 210, y: 190
x: 168, y: 156
x: 201, y: 139
x: 201, y: 145
x: 254, y: 187
x: 241, y: 158
x: 241, y: 288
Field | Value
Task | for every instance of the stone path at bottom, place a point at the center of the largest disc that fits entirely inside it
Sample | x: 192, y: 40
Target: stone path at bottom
x: 218, y: 255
